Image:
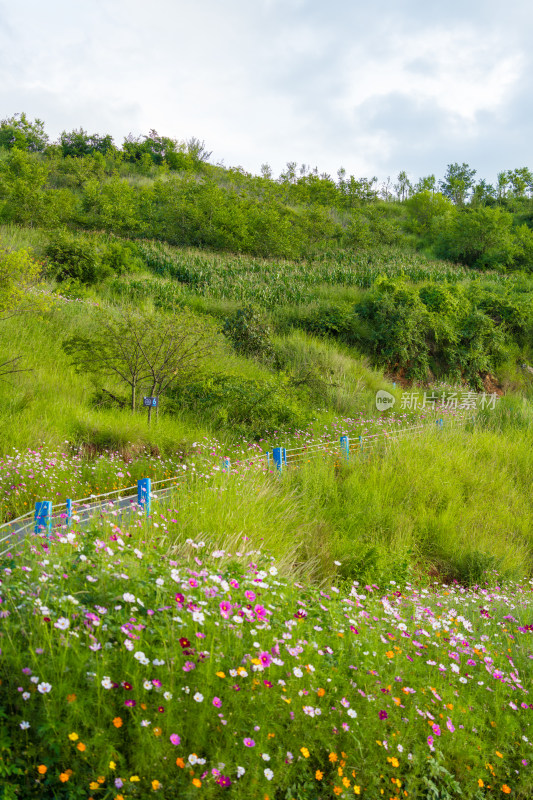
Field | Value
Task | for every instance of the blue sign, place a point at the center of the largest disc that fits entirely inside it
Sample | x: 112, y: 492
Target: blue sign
x: 150, y: 401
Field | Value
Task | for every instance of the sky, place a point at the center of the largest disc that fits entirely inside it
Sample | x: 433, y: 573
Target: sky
x: 408, y: 85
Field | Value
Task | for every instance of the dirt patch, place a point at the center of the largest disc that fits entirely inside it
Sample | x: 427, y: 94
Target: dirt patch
x: 491, y: 385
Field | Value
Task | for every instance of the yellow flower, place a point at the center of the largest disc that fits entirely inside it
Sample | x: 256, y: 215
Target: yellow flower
x: 394, y: 761
x: 134, y: 778
x: 42, y: 769
x: 112, y: 765
x: 319, y: 775
x: 155, y: 785
x: 304, y: 751
x: 93, y: 785
x: 73, y: 737
x: 357, y: 790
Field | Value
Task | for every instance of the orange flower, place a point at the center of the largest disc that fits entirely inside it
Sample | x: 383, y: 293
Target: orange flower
x: 64, y: 777
x: 144, y: 706
x: 506, y: 789
x: 221, y: 674
x: 319, y: 775
x: 389, y: 654
x: 42, y: 769
x: 155, y: 785
x: 346, y: 782
x: 337, y: 789
x: 119, y: 797
x: 394, y: 761
x: 480, y: 783
x: 71, y: 698
x: 81, y: 747
x: 93, y: 785
x: 499, y: 754
x: 321, y: 692
x: 332, y: 757
x: 196, y: 782
x: 117, y: 722
x: 157, y: 731
x: 101, y: 779
x: 180, y: 762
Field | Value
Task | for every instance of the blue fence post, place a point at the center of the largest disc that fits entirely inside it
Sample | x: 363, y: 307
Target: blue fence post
x: 361, y: 446
x: 143, y: 494
x: 43, y: 516
x: 268, y: 459
x: 69, y: 513
x: 440, y: 423
x: 285, y: 456
x: 345, y: 445
x: 226, y: 465
x: 277, y: 455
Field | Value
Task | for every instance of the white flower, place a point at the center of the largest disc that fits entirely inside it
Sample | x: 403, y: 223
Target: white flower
x: 265, y: 756
x: 454, y: 668
x: 106, y: 682
x: 35, y: 679
x: 147, y: 685
x: 352, y: 713
x: 138, y: 553
x: 158, y: 662
x: 139, y: 655
x: 62, y: 623
x: 273, y: 570
x: 26, y: 695
x: 199, y: 617
x: 44, y: 688
x: 198, y: 697
x: 128, y: 597
x: 24, y: 725
x: 167, y: 695
x: 145, y: 723
x: 297, y: 672
x: 160, y: 582
x: 193, y: 758
x: 240, y: 772
x: 268, y: 774
x: 128, y: 644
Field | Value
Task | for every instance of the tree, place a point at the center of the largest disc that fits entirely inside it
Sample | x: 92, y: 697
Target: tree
x: 22, y: 180
x: 19, y: 132
x: 139, y: 348
x: 425, y: 184
x: 403, y: 187
x: 457, y: 182
x: 78, y: 143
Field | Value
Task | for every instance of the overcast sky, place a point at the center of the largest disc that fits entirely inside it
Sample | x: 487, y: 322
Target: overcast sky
x: 403, y: 84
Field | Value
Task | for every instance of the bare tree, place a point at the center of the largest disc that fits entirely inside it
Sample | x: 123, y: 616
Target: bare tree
x: 142, y: 348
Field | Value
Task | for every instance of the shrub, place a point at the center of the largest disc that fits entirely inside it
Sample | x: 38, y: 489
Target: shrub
x: 248, y: 332
x: 74, y: 258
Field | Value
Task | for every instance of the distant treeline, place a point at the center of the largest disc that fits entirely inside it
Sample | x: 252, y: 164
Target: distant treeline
x: 162, y: 188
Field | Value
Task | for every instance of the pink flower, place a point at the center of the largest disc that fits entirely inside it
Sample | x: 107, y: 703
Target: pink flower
x: 260, y: 611
x: 188, y: 666
x: 250, y: 596
x: 175, y: 739
x: 249, y: 742
x: 450, y: 726
x: 225, y: 608
x: 217, y: 702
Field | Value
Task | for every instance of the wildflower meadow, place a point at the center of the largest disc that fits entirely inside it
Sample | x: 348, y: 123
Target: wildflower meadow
x: 130, y: 670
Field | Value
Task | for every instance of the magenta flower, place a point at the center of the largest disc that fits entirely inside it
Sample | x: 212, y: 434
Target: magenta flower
x: 260, y: 611
x: 179, y: 598
x: 265, y: 659
x: 188, y: 666
x: 450, y: 725
x: 175, y: 739
x: 223, y: 780
x: 250, y: 596
x: 383, y: 714
x: 130, y: 703
x: 249, y: 742
x: 430, y: 742
x: 217, y: 702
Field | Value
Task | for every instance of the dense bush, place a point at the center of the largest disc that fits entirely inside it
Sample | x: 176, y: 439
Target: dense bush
x: 249, y: 332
